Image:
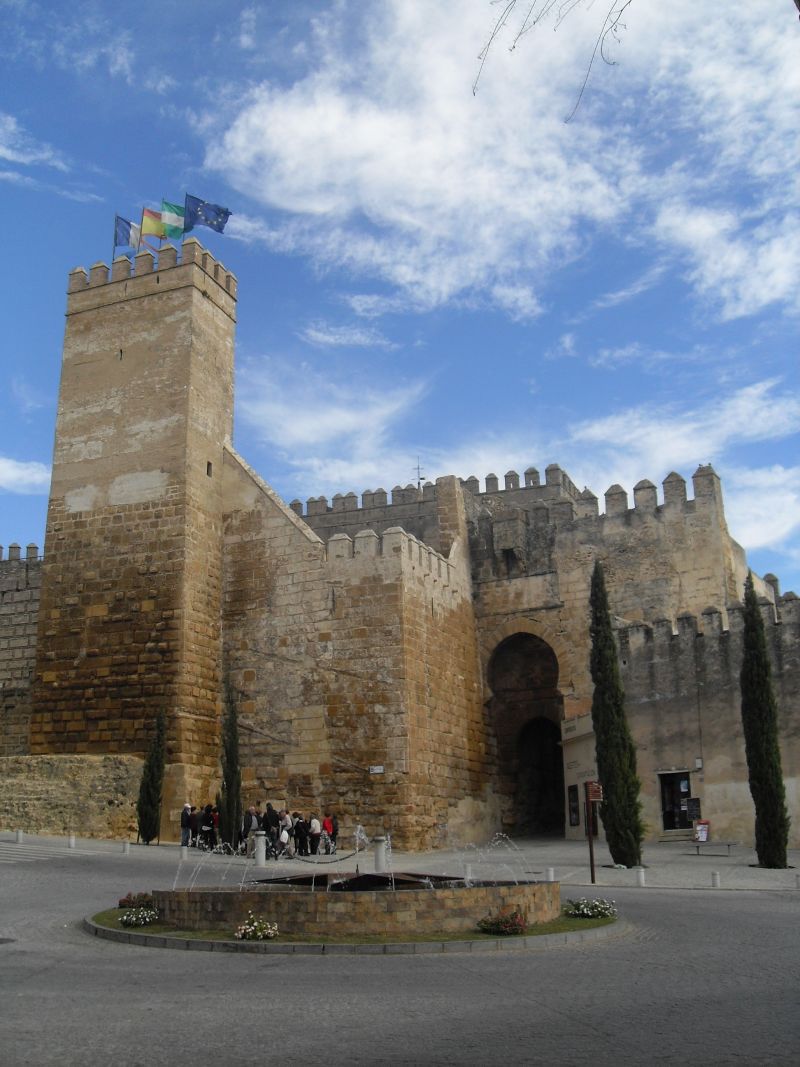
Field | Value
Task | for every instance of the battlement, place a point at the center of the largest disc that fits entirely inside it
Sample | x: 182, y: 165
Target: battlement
x: 557, y: 482
x: 166, y: 269
x: 15, y: 554
x: 394, y: 543
x: 397, y: 545
x: 713, y: 622
x: 557, y: 487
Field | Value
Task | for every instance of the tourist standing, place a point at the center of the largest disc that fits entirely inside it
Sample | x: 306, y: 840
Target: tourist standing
x: 194, y: 825
x: 314, y: 834
x: 250, y: 824
x: 186, y: 825
x: 271, y: 823
x: 300, y: 827
x: 327, y: 833
x: 207, y: 835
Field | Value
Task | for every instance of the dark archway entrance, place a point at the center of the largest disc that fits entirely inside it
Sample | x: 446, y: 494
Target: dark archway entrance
x: 527, y: 710
x: 539, y: 793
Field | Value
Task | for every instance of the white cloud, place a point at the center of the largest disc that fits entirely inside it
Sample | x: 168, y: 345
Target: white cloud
x: 160, y: 83
x: 247, y: 28
x: 382, y: 162
x: 740, y: 268
x: 373, y: 305
x: 331, y: 432
x: 23, y: 477
x: 81, y: 196
x: 763, y: 505
x: 565, y: 348
x: 325, y: 335
x: 17, y: 146
x: 648, y: 438
x: 650, y: 358
x: 26, y: 399
x: 640, y: 285
x: 518, y: 300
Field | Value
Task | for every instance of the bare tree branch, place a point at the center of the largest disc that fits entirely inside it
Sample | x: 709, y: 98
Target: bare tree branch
x: 539, y: 10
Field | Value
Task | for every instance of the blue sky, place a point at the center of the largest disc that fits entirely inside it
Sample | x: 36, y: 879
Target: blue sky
x: 427, y: 271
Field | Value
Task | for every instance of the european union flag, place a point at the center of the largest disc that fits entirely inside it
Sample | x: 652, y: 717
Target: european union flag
x: 200, y: 213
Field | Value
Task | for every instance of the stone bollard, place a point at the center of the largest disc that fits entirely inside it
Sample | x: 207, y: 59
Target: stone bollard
x: 20, y: 837
x: 380, y: 854
x: 126, y: 848
x: 550, y: 874
x: 797, y: 880
x: 184, y: 852
x: 261, y: 848
x: 640, y: 879
x: 71, y: 841
x: 715, y: 879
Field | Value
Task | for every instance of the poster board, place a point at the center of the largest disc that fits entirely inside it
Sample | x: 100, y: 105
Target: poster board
x: 702, y: 830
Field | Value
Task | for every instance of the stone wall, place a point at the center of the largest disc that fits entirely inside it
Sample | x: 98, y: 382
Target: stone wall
x: 92, y: 796
x: 355, y: 670
x: 660, y: 561
x: 20, y: 581
x: 354, y: 914
x: 684, y: 707
x: 130, y: 604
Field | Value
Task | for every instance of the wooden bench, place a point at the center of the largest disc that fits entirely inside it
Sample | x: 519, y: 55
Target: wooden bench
x: 697, y: 845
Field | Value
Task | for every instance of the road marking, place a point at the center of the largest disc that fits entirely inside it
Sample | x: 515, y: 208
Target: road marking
x: 24, y: 853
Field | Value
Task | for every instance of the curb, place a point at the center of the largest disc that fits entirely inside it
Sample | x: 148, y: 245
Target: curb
x: 542, y: 942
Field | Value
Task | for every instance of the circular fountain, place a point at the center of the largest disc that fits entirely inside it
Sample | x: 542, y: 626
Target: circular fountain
x: 320, y: 905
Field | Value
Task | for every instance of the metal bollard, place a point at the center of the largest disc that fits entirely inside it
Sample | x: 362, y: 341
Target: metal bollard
x: 550, y: 874
x: 715, y: 879
x: 380, y: 854
x: 126, y: 848
x: 20, y: 837
x: 261, y: 848
x: 640, y: 879
x: 71, y: 841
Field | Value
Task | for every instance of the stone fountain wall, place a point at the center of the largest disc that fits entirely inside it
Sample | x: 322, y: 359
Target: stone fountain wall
x: 323, y: 914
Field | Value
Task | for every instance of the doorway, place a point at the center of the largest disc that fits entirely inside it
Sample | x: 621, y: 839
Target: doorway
x: 675, y: 794
x: 526, y: 711
x: 539, y: 796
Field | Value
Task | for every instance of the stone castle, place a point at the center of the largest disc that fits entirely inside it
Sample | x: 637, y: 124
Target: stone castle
x: 416, y: 661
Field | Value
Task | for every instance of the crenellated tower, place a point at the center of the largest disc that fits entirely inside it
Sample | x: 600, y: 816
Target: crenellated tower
x: 130, y: 600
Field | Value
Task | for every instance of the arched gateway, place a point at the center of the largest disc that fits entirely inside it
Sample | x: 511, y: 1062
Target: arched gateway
x: 526, y: 709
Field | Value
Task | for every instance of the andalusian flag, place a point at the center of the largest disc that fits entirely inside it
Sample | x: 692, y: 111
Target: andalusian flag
x: 172, y: 219
x: 152, y: 223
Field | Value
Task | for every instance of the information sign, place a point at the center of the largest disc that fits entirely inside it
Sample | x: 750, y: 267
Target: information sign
x: 594, y: 792
x: 702, y: 830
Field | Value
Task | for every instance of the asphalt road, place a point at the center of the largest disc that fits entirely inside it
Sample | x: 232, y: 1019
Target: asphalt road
x: 697, y: 978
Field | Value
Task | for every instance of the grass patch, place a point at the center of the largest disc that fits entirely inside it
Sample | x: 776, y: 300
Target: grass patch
x: 563, y: 925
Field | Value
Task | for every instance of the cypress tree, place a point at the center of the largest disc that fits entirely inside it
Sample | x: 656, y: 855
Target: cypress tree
x: 760, y: 725
x: 148, y: 807
x: 230, y: 798
x: 621, y: 809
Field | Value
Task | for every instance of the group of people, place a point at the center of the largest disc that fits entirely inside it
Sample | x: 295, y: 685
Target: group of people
x: 289, y: 833
x: 200, y: 826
